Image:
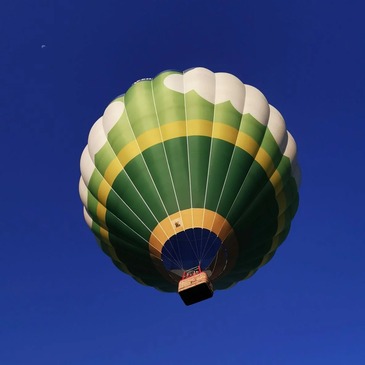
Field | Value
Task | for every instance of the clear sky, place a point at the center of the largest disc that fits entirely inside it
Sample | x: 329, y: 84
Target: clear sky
x: 62, y: 301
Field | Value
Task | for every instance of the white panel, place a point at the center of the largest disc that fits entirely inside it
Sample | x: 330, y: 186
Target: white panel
x: 88, y: 219
x: 277, y: 128
x: 97, y: 138
x: 199, y: 79
x: 83, y: 191
x: 215, y: 88
x: 256, y: 104
x: 291, y: 148
x: 202, y: 81
x: 112, y: 114
x: 230, y: 88
x: 174, y: 82
x: 87, y: 166
x: 291, y: 153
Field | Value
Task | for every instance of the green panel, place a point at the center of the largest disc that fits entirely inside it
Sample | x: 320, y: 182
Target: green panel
x: 263, y: 203
x: 137, y: 261
x: 136, y: 247
x: 249, y: 125
x: 221, y: 154
x: 295, y: 200
x: 132, y: 198
x: 133, y: 244
x: 94, y: 182
x: 262, y: 228
x: 176, y: 150
x: 240, y: 165
x: 149, y: 278
x: 199, y: 148
x: 121, y: 134
x: 119, y: 219
x: 255, y: 235
x: 92, y: 204
x: 271, y: 147
x: 140, y: 107
x: 92, y: 211
x: 127, y: 225
x: 254, y: 182
x: 241, y: 271
x: 254, y: 251
x: 141, y: 267
x: 137, y: 172
x: 170, y: 105
x: 289, y: 188
x: 197, y: 107
x: 156, y: 161
x: 284, y: 168
x: 227, y: 114
x: 121, y: 200
x: 103, y: 158
x: 255, y: 230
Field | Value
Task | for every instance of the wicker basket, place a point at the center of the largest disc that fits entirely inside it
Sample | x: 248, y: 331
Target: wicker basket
x: 195, y: 288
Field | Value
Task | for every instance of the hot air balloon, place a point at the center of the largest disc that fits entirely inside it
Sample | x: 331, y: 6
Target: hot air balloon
x: 189, y: 182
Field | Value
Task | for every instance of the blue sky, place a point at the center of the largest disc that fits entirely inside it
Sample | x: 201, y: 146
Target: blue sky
x: 62, y: 301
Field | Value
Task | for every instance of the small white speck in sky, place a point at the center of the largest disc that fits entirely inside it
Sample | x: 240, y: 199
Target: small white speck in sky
x: 43, y: 46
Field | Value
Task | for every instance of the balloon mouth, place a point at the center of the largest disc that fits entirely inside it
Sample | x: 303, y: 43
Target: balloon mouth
x: 190, y: 248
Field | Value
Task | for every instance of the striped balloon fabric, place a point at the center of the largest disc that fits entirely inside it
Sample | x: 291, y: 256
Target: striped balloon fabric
x: 190, y: 169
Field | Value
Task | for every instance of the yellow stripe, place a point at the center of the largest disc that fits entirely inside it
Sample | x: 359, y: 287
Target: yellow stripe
x: 281, y: 223
x: 128, y: 153
x: 194, y: 218
x: 113, y: 170
x: 199, y: 128
x: 247, y: 143
x: 101, y: 212
x: 173, y: 130
x: 276, y: 182
x: 265, y: 161
x: 104, y: 234
x: 225, y: 132
x: 182, y: 129
x: 185, y: 219
x: 281, y: 200
x: 103, y: 192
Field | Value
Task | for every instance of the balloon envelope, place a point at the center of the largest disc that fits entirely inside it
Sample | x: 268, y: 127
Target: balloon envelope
x: 190, y: 169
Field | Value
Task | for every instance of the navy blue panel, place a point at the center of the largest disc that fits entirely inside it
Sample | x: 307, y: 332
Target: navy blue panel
x: 190, y: 248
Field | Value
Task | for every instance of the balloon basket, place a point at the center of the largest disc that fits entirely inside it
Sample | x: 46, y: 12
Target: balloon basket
x: 195, y: 287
